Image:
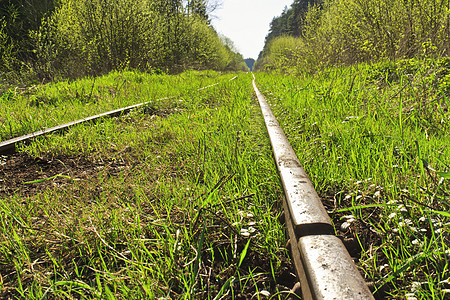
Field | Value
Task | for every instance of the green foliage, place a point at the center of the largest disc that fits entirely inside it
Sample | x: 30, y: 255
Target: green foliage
x: 77, y: 38
x: 198, y: 8
x: 210, y: 51
x: 7, y: 54
x: 17, y: 19
x: 282, y: 53
x: 292, y: 21
x: 374, y: 140
x: 347, y: 32
x: 94, y: 37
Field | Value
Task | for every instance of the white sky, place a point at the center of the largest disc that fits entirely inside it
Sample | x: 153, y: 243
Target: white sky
x: 247, y: 22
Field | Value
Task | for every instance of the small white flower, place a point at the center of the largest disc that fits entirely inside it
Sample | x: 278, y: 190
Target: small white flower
x: 410, y: 296
x: 348, y: 217
x: 447, y: 252
x: 344, y: 226
x: 392, y: 215
x: 402, y: 208
x: 383, y: 267
x: 244, y: 232
x: 415, y: 286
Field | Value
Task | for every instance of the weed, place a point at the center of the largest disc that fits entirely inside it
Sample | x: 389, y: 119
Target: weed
x: 374, y: 141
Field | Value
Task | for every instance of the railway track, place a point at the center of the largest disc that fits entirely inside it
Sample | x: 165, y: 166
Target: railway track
x: 9, y: 146
x: 323, y: 266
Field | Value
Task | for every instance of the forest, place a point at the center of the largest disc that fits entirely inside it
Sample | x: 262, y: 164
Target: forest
x: 314, y: 34
x: 51, y: 39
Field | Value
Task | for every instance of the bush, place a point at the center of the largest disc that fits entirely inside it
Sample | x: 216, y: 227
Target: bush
x: 93, y: 37
x: 347, y: 32
x: 283, y: 53
x: 96, y: 36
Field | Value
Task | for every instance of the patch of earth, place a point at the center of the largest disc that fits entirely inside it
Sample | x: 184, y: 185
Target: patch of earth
x: 27, y: 175
x: 356, y: 234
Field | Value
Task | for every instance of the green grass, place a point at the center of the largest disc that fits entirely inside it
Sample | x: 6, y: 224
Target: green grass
x: 375, y: 141
x: 33, y: 108
x: 180, y: 199
x: 177, y: 201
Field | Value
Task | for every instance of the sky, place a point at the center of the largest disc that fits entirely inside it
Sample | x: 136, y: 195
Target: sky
x: 247, y: 22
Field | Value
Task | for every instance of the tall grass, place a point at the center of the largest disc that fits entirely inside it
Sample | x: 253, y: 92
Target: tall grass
x: 178, y: 201
x: 27, y: 110
x: 374, y: 140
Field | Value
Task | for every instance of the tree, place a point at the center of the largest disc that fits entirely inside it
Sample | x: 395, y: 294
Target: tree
x: 292, y: 20
x: 198, y: 8
x: 249, y: 62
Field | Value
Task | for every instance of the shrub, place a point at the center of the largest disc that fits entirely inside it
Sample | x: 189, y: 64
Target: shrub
x: 352, y: 31
x: 96, y: 36
x: 283, y: 53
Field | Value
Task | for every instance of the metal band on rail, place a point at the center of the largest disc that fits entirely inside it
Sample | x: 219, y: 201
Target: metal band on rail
x: 323, y: 265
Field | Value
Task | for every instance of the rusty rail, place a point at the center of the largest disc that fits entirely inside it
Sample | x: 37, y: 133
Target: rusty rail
x: 9, y: 146
x: 323, y: 265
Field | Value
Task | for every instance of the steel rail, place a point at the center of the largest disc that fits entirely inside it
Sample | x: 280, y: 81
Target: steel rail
x: 9, y: 146
x: 322, y: 263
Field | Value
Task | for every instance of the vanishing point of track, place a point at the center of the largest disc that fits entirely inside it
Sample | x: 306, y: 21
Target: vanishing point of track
x: 323, y: 266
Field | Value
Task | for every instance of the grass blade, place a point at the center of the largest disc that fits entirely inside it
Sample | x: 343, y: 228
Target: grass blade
x: 46, y: 179
x: 363, y: 206
x: 244, y: 253
x: 443, y: 213
x: 445, y: 175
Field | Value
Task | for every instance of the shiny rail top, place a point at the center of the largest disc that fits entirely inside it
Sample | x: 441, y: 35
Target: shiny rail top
x: 323, y: 265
